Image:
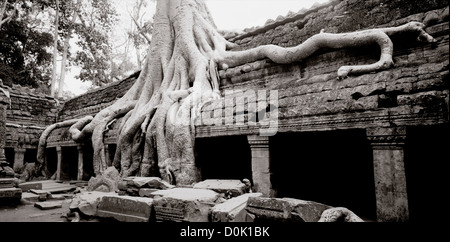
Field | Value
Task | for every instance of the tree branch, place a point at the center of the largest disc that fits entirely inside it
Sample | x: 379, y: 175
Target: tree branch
x: 141, y: 31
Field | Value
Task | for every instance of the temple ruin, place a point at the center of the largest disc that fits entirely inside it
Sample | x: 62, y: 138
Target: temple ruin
x: 371, y: 142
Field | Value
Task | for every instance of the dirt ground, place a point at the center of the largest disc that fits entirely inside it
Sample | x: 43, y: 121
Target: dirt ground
x: 27, y: 212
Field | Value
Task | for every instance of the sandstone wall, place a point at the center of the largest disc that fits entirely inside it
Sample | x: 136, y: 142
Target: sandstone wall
x: 310, y: 97
x: 96, y: 100
x: 28, y: 115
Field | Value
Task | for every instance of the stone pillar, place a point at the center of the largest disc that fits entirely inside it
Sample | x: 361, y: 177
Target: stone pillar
x: 389, y: 171
x: 4, y: 101
x: 107, y: 156
x: 19, y: 156
x: 80, y: 162
x: 59, y: 162
x: 261, y: 165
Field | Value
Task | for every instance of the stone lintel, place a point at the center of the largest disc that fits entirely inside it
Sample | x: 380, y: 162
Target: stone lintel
x: 387, y: 138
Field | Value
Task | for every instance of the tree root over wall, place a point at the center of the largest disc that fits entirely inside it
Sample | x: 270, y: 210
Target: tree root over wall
x: 180, y: 74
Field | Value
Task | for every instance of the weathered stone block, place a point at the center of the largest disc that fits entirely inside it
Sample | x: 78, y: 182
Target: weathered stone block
x: 88, y: 202
x: 285, y: 209
x: 235, y: 187
x: 13, y: 193
x: 48, y: 205
x: 232, y: 210
x: 26, y: 186
x: 125, y: 208
x: 148, y: 182
x: 184, y: 204
x: 30, y: 197
x: 8, y: 182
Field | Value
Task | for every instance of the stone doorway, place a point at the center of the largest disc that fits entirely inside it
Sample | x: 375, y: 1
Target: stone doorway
x: 227, y: 157
x: 51, y: 160
x: 333, y: 167
x: 30, y: 156
x: 69, y: 163
x: 9, y: 154
x: 426, y: 154
x: 88, y: 161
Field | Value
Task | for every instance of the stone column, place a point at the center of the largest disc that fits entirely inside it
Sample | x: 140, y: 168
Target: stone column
x: 19, y: 156
x: 261, y: 165
x: 107, y: 157
x: 4, y: 101
x: 389, y: 171
x: 80, y: 162
x: 59, y: 162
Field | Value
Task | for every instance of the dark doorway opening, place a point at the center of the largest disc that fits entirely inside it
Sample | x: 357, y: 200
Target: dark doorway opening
x: 9, y: 154
x: 88, y: 161
x: 112, y: 151
x: 30, y: 156
x: 426, y: 153
x: 69, y: 164
x: 333, y: 168
x: 226, y: 157
x: 51, y: 160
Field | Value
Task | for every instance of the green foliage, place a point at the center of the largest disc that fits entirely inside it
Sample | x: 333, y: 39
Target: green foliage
x: 97, y: 18
x: 24, y: 55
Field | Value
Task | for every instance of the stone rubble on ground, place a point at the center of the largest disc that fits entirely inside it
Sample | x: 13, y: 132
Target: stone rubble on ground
x: 139, y: 186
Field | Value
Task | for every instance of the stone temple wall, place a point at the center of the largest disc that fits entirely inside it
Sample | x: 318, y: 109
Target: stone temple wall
x: 310, y: 97
x: 28, y: 114
x: 95, y: 100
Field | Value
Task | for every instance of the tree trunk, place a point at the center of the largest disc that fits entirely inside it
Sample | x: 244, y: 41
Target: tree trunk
x: 180, y: 74
x: 55, y: 50
x: 66, y: 50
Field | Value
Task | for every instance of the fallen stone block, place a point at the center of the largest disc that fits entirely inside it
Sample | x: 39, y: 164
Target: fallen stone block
x: 285, y: 209
x: 232, y: 210
x: 235, y: 187
x: 30, y: 197
x: 48, y: 205
x: 57, y: 197
x: 339, y: 215
x: 43, y: 195
x: 184, y: 204
x: 26, y: 186
x: 8, y: 182
x: 87, y: 202
x: 125, y: 208
x: 147, y: 182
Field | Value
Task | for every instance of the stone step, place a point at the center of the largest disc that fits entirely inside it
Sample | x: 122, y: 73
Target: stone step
x: 26, y: 186
x: 9, y: 182
x: 11, y: 193
x: 30, y: 197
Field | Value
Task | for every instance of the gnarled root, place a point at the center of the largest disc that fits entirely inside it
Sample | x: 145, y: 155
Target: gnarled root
x: 157, y: 133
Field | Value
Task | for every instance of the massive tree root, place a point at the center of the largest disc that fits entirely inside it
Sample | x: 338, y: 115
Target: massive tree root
x: 181, y: 74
